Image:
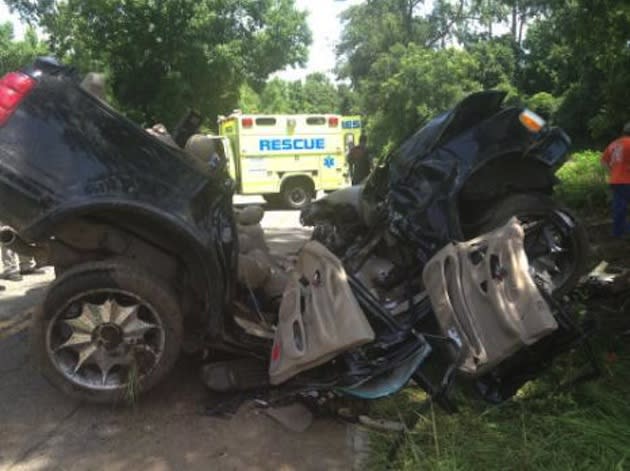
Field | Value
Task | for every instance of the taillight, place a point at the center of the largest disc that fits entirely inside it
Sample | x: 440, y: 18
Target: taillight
x: 247, y: 122
x: 333, y: 122
x: 14, y: 87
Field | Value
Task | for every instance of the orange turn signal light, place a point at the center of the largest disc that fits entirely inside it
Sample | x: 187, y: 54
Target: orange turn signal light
x: 531, y: 121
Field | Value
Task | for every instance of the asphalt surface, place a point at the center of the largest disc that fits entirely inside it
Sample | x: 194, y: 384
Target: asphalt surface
x: 168, y: 429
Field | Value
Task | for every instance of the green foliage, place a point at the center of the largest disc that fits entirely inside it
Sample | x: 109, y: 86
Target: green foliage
x: 544, y: 427
x: 164, y: 57
x: 15, y: 54
x: 544, y: 104
x: 316, y: 94
x: 581, y: 52
x: 409, y: 86
x: 583, y: 183
x: 497, y: 60
x: 571, y: 58
x: 275, y: 97
x: 372, y: 28
x: 349, y: 100
x: 249, y: 101
x: 319, y: 94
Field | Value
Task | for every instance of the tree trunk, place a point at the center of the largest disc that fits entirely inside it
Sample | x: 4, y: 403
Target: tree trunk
x: 521, y: 27
x: 514, y: 19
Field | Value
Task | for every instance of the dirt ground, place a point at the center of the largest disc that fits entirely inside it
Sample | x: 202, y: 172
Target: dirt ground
x: 168, y: 430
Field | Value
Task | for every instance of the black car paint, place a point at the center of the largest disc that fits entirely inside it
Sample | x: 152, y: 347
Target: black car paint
x: 423, y: 179
x: 65, y: 154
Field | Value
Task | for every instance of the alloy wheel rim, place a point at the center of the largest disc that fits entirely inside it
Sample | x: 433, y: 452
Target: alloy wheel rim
x: 549, y: 248
x: 104, y: 340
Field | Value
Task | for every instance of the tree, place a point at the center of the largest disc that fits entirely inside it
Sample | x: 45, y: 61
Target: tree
x: 581, y: 53
x: 317, y: 94
x: 349, y: 100
x: 17, y: 54
x: 411, y: 85
x: 544, y: 104
x: 275, y: 97
x: 372, y: 28
x: 320, y: 95
x: 497, y: 59
x: 295, y: 95
x: 164, y: 57
x: 249, y: 100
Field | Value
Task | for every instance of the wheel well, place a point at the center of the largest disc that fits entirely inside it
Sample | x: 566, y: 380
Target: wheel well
x: 302, y: 180
x: 142, y: 240
x: 501, y: 176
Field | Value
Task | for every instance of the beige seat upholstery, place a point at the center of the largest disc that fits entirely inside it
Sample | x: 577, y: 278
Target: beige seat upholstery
x: 353, y: 196
x: 249, y: 215
x: 200, y: 146
x: 257, y: 268
x: 485, y: 298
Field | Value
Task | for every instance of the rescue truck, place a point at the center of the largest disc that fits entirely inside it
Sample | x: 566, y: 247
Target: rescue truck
x: 287, y: 158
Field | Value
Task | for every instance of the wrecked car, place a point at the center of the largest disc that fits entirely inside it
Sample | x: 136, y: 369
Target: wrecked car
x: 465, y: 173
x: 420, y: 281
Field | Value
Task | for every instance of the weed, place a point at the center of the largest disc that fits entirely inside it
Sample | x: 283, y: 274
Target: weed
x: 583, y: 184
x: 133, y: 385
x: 544, y: 427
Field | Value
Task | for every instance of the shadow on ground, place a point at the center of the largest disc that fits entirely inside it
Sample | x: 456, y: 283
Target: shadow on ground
x: 168, y: 429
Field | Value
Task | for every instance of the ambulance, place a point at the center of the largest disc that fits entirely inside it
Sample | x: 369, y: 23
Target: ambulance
x: 286, y: 158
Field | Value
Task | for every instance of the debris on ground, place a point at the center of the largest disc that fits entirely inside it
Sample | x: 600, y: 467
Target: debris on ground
x: 607, y: 279
x: 296, y: 417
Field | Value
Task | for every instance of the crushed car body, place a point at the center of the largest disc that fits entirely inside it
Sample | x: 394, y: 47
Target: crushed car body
x: 444, y: 265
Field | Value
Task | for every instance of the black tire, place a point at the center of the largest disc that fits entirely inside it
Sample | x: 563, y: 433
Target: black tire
x: 297, y: 194
x: 535, y: 206
x: 99, y: 277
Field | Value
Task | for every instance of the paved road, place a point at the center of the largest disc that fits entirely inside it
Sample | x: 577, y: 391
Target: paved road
x: 42, y: 429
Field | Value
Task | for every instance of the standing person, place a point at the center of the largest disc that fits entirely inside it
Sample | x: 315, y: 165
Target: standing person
x: 14, y: 265
x: 359, y: 161
x: 616, y: 158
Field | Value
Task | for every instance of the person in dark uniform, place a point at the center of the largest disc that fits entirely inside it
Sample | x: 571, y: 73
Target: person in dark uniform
x: 359, y: 161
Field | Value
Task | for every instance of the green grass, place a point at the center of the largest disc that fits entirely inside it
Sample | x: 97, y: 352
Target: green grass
x: 585, y: 427
x: 583, y: 184
x: 132, y: 389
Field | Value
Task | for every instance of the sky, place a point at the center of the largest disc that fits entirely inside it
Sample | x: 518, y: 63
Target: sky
x: 323, y: 19
x: 18, y: 27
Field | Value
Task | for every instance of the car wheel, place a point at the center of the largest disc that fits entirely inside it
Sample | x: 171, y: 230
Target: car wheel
x: 107, y: 332
x: 556, y: 243
x: 297, y: 195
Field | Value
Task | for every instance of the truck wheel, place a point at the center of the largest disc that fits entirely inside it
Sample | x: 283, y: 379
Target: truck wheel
x: 556, y: 242
x: 297, y: 195
x: 106, y: 332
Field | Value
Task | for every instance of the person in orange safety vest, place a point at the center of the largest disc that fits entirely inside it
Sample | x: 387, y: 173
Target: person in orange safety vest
x: 616, y: 158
